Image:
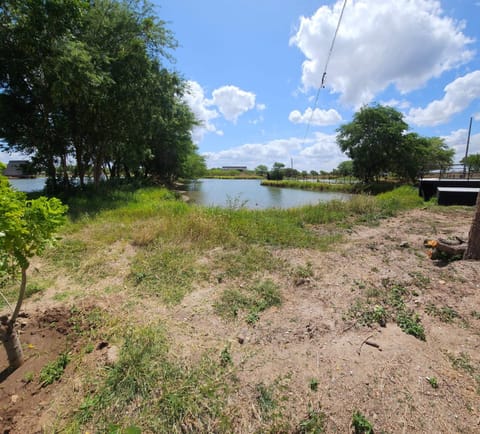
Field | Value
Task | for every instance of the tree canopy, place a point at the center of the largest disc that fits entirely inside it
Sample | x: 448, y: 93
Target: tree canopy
x: 84, y: 81
x: 377, y: 141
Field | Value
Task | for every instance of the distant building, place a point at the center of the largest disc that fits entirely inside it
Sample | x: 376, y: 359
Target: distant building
x: 17, y: 169
x: 239, y: 168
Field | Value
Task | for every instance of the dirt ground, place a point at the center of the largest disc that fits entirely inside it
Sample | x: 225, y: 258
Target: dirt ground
x: 309, y: 339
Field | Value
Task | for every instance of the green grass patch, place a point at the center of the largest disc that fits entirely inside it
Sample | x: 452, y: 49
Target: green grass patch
x: 251, y: 300
x: 53, y: 371
x: 167, y: 273
x: 149, y: 389
x: 386, y: 304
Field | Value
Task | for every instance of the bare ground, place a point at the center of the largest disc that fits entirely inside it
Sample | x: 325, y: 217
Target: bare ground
x: 310, y: 337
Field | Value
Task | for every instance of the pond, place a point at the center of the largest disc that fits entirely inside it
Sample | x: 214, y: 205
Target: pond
x: 236, y: 193
x: 27, y: 184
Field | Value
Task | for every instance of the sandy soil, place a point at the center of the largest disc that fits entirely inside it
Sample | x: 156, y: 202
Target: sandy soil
x: 309, y: 337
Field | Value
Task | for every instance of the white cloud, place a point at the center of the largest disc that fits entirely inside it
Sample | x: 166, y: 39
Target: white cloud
x: 396, y: 103
x: 458, y: 95
x: 233, y: 101
x: 261, y: 107
x: 195, y: 98
x: 380, y: 43
x: 458, y: 140
x: 318, y: 153
x: 476, y: 116
x: 315, y: 117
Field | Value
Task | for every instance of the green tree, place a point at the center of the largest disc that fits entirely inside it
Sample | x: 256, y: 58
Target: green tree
x: 418, y: 155
x: 372, y: 140
x: 345, y: 168
x: 472, y: 162
x: 261, y: 170
x: 26, y: 227
x: 277, y: 171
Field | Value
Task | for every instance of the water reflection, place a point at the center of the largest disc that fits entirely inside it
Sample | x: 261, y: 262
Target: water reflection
x: 233, y: 193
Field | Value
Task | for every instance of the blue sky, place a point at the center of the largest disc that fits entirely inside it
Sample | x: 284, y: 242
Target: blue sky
x: 255, y: 66
x: 254, y: 69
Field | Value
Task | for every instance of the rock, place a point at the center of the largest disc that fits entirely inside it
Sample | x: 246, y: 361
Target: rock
x: 404, y: 244
x: 113, y: 354
x: 14, y: 399
x: 241, y: 339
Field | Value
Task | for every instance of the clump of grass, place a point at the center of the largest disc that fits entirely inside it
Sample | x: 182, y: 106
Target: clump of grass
x: 384, y: 305
x: 265, y: 398
x: 360, y: 424
x: 53, y: 371
x: 313, y: 423
x: 150, y: 389
x: 253, y: 300
x: 445, y: 313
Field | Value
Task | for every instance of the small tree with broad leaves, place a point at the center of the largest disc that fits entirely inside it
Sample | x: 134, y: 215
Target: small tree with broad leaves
x: 26, y: 228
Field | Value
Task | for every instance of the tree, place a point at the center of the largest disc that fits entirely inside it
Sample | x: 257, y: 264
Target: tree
x: 472, y: 162
x: 418, y: 155
x: 26, y: 227
x: 261, y: 170
x: 372, y: 140
x: 345, y: 168
x: 276, y: 173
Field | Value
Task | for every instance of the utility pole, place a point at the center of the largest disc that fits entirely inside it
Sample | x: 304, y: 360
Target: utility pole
x: 466, y: 151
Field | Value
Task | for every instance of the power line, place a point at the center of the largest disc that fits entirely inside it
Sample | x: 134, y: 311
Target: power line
x: 324, y: 75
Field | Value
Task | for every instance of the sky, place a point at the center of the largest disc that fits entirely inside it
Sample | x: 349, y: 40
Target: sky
x: 254, y: 70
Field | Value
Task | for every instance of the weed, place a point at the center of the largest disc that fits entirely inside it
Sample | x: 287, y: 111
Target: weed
x: 252, y: 317
x: 314, y: 423
x: 410, y: 323
x: 28, y: 377
x: 265, y: 398
x: 360, y: 424
x: 314, y: 384
x: 303, y: 271
x: 462, y: 362
x: 53, y: 371
x: 445, y: 314
x: 89, y: 348
x: 226, y: 357
x: 433, y: 382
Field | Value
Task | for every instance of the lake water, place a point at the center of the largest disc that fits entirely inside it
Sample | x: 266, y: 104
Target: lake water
x: 28, y: 184
x: 250, y: 194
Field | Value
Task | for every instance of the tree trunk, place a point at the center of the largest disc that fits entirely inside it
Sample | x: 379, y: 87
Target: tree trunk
x: 9, y: 335
x: 473, y: 248
x: 13, y: 347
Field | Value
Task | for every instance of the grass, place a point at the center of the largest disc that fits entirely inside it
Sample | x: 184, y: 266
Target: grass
x: 152, y: 390
x: 251, y: 300
x: 11, y: 288
x: 386, y: 304
x: 173, y: 247
x: 360, y: 424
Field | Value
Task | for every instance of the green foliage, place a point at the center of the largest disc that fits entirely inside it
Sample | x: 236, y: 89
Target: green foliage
x: 26, y: 226
x: 445, y: 313
x: 433, y: 382
x: 53, y: 371
x: 314, y: 384
x: 360, y: 424
x: 265, y: 398
x: 472, y: 162
x: 376, y: 142
x: 314, y: 423
x: 387, y: 304
x: 97, y: 91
